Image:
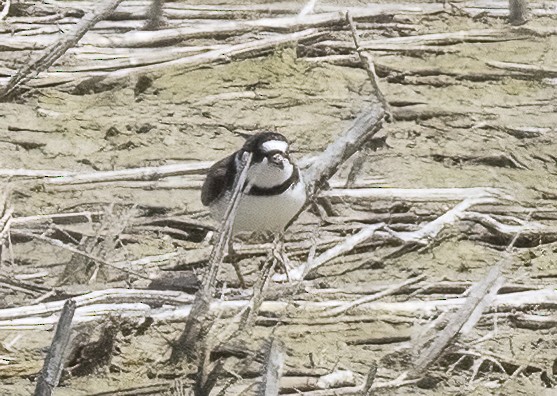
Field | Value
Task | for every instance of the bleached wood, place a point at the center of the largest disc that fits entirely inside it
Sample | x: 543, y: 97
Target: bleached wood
x: 459, y: 319
x: 161, y: 37
x: 272, y: 370
x: 32, y: 317
x: 325, y: 165
x: 191, y: 341
x: 347, y: 245
x: 147, y: 173
x: 221, y: 55
x: 524, y: 227
x: 416, y: 194
x: 534, y: 70
x: 389, y: 291
x: 534, y: 322
x: 308, y: 8
x: 58, y: 48
x: 429, y: 231
x: 5, y: 9
x: 367, y: 62
x: 100, y: 297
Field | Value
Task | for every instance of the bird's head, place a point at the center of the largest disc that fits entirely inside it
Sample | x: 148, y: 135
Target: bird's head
x: 271, y: 163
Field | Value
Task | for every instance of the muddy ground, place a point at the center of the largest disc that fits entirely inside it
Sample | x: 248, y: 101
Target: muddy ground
x: 448, y: 132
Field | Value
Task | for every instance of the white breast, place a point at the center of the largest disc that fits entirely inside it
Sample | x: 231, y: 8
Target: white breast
x: 264, y: 213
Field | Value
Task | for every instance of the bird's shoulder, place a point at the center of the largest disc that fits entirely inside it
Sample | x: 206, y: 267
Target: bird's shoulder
x: 219, y: 177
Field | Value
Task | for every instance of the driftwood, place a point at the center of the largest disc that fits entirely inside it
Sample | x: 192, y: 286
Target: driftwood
x: 165, y: 36
x: 415, y: 195
x: 326, y: 164
x: 221, y: 55
x: 300, y: 272
x: 274, y: 361
x: 271, y: 312
x: 459, y: 320
x: 466, y: 317
x: 532, y: 70
x: 176, y: 10
x: 51, y: 54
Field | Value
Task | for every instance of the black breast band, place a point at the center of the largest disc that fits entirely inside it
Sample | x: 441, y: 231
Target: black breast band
x: 276, y: 190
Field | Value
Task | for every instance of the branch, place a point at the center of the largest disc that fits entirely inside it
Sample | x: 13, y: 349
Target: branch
x: 465, y: 318
x: 59, y: 48
x: 535, y: 71
x: 161, y: 37
x: 308, y: 8
x: 300, y: 272
x: 274, y: 362
x: 387, y: 292
x: 325, y: 165
x: 367, y: 62
x: 188, y: 344
x: 29, y: 317
x: 414, y: 194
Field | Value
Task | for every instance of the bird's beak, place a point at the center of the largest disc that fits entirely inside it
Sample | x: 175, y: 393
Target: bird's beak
x: 277, y: 159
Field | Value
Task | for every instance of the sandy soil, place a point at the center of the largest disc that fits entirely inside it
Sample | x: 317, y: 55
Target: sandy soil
x: 463, y: 136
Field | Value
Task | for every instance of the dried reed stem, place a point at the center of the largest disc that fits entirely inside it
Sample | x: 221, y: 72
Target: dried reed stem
x: 189, y: 342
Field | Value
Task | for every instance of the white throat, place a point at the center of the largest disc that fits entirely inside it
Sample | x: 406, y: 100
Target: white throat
x: 267, y: 175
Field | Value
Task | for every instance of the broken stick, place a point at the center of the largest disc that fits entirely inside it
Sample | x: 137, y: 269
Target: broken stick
x: 53, y: 364
x: 189, y: 341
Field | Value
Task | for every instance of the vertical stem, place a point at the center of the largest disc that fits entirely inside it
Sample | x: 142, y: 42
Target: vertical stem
x: 518, y: 12
x: 155, y: 15
x: 54, y: 361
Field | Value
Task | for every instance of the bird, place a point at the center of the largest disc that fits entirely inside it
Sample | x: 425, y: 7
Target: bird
x: 274, y: 192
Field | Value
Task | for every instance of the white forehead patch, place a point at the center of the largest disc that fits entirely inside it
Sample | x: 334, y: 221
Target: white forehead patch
x: 275, y: 145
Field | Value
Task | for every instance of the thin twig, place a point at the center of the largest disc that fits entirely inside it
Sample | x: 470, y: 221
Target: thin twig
x: 225, y: 234
x: 373, y: 297
x: 300, y: 272
x: 367, y: 63
x: 79, y: 252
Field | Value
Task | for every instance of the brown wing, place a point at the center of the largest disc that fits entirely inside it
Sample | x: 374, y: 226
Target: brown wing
x: 220, y: 175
